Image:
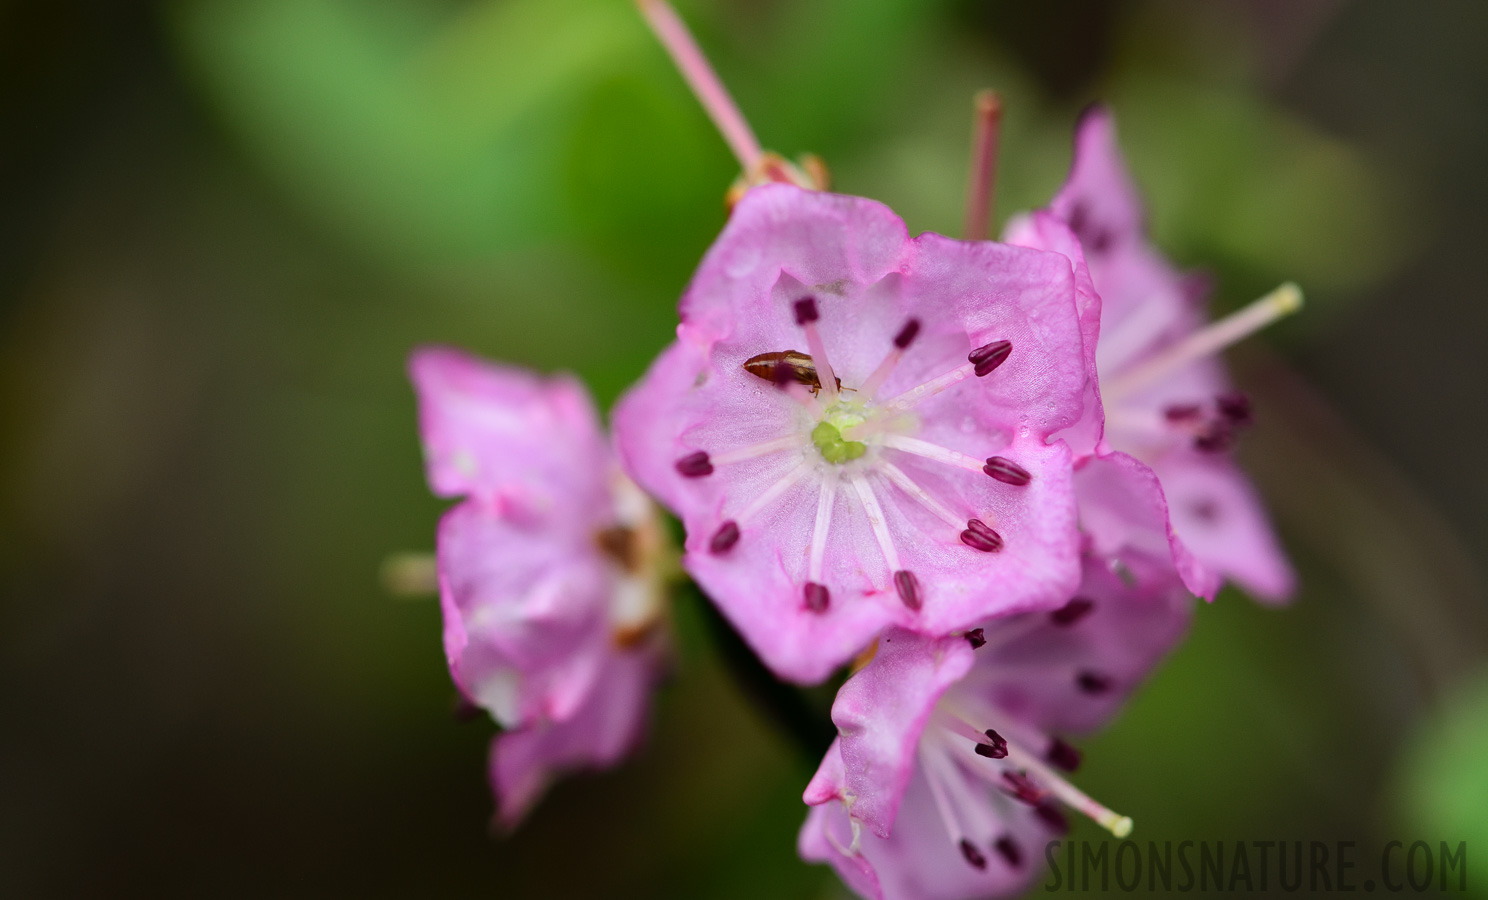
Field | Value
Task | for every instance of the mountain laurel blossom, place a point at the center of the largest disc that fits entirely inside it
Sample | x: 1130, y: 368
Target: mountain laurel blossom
x: 945, y: 781
x: 854, y: 426
x: 549, y: 570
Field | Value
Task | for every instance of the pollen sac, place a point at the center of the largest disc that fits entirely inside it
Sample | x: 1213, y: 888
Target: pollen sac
x: 908, y: 587
x: 989, y: 356
x: 1006, y: 471
x: 1009, y: 851
x: 817, y: 597
x: 907, y: 334
x: 972, y: 854
x: 1072, y: 612
x: 1062, y: 755
x: 724, y: 538
x: 977, y: 638
x: 1217, y: 437
x: 1050, y: 815
x: 1022, y: 788
x: 806, y: 311
x: 1235, y: 407
x: 695, y: 465
x: 1093, y: 683
x: 998, y: 749
x: 979, y: 536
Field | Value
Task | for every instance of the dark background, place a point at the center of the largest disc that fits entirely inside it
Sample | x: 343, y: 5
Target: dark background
x: 225, y: 223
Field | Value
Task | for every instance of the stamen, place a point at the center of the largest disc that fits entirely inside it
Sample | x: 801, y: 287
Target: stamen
x: 998, y: 749
x: 1007, y: 471
x: 817, y: 597
x: 1281, y: 302
x: 1068, y: 794
x: 773, y: 492
x: 1062, y: 756
x: 933, y: 451
x: 695, y: 465
x: 1010, y: 851
x: 806, y: 316
x: 824, y: 502
x: 764, y: 448
x: 1235, y: 407
x: 972, y: 854
x: 978, y: 536
x: 933, y: 386
x: 979, y: 199
x: 1072, y: 612
x: 1053, y: 818
x: 902, y: 340
x: 878, y: 523
x: 989, y: 356
x: 678, y: 41
x: 1093, y: 682
x: 977, y: 638
x: 1021, y: 788
x: 724, y: 538
x: 938, y: 769
x: 908, y: 587
x: 907, y: 485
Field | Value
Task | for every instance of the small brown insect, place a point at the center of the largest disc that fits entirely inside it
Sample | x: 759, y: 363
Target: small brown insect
x: 784, y: 366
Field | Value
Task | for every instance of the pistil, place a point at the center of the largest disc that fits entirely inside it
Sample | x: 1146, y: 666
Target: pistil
x: 1283, y: 301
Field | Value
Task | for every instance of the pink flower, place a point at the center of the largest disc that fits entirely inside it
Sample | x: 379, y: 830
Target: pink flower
x: 854, y: 427
x: 1168, y: 404
x: 548, y: 569
x: 946, y: 768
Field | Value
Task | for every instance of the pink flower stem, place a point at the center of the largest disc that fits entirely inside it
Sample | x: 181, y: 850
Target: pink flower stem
x: 678, y: 41
x: 980, y: 186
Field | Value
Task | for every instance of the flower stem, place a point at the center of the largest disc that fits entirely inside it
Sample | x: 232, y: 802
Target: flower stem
x: 678, y: 41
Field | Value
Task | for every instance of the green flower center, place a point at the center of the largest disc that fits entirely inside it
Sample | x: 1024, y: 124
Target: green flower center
x: 827, y: 436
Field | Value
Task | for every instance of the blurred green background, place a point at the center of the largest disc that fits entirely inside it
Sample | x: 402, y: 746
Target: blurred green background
x: 226, y: 222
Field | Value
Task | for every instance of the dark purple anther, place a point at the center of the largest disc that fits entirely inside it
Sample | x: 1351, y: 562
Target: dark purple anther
x: 908, y: 587
x: 695, y: 465
x: 1052, y: 817
x: 907, y: 334
x: 1217, y: 437
x: 1235, y: 407
x: 1072, y: 612
x: 817, y: 597
x: 976, y: 638
x: 1006, y: 471
x: 806, y: 311
x: 1093, y: 682
x: 1009, y: 851
x: 972, y: 854
x: 724, y: 538
x: 1022, y: 788
x: 978, y: 536
x: 1182, y: 412
x: 995, y: 750
x: 989, y: 356
x: 1062, y: 756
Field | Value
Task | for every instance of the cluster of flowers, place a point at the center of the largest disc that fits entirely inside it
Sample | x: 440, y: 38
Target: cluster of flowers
x: 989, y: 475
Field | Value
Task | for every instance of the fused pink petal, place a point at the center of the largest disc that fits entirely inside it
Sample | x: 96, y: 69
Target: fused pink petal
x: 880, y: 713
x: 599, y: 734
x: 833, y: 493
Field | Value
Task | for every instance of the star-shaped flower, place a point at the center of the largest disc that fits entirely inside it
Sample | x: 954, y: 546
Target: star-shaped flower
x: 854, y: 427
x: 549, y: 569
x: 945, y: 780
